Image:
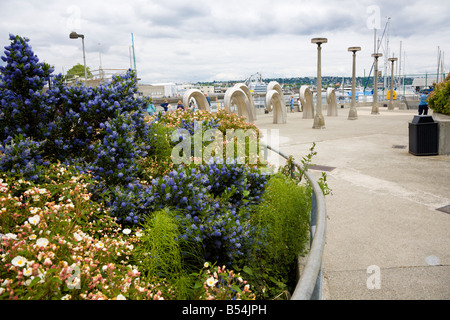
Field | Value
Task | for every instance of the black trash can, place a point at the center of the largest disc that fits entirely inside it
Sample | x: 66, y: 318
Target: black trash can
x: 423, y: 136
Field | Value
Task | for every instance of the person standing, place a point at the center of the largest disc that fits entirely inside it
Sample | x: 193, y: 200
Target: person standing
x: 292, y: 104
x: 423, y: 104
x: 150, y: 108
x: 180, y: 105
x: 165, y: 105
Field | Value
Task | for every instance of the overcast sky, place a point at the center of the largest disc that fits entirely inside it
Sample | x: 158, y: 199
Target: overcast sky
x: 205, y: 40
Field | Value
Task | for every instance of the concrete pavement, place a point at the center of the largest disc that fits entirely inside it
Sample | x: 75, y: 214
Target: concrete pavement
x: 385, y: 237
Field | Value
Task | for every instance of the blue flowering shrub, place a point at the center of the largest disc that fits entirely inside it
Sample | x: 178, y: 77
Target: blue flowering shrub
x: 23, y: 106
x: 216, y: 219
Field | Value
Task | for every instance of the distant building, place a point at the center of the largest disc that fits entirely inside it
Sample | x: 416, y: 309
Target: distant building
x: 424, y: 82
x: 182, y: 88
x: 159, y: 90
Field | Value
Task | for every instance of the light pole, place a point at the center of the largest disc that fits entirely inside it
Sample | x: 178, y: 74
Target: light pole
x: 375, y: 109
x: 319, y: 122
x: 353, y: 115
x: 74, y: 35
x: 391, y: 104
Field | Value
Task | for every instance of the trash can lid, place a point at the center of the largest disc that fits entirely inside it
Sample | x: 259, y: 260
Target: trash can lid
x: 422, y: 119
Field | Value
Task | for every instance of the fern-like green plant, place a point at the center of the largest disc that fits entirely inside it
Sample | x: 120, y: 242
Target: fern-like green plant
x: 164, y: 254
x: 280, y: 231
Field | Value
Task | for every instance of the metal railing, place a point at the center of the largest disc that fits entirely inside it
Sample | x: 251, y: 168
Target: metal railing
x: 310, y: 284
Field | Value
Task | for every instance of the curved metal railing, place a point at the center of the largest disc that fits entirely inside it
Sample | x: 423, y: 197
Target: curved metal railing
x: 309, y: 286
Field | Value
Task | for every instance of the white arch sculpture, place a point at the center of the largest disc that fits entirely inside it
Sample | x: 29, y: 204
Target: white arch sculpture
x: 252, y: 109
x: 237, y: 96
x: 275, y: 101
x: 306, y: 99
x: 332, y: 104
x: 199, y: 97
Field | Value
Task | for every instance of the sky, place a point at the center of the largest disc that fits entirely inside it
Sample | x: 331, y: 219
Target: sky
x: 206, y: 40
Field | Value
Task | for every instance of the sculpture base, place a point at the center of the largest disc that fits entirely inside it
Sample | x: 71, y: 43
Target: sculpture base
x: 319, y: 122
x: 352, y: 115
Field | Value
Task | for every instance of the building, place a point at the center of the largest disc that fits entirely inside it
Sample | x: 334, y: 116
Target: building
x: 182, y: 88
x: 159, y: 90
x: 424, y: 82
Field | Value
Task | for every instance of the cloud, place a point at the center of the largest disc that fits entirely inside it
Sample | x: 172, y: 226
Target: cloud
x: 201, y: 40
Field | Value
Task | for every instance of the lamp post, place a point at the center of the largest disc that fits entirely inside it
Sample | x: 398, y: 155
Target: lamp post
x: 74, y: 35
x: 353, y: 115
x: 391, y: 104
x: 375, y: 109
x: 319, y: 122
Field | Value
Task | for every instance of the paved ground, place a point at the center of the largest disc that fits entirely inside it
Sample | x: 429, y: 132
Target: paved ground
x: 385, y: 237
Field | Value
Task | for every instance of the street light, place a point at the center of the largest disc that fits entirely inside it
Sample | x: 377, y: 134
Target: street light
x: 353, y: 115
x: 391, y: 105
x: 375, y: 109
x: 74, y: 35
x: 319, y: 122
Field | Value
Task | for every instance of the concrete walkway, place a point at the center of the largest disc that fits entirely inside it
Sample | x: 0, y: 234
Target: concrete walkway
x: 385, y: 237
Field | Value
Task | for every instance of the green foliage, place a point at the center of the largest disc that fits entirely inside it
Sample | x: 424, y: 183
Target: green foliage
x: 439, y: 99
x: 78, y: 71
x: 158, y: 162
x: 281, y: 230
x: 162, y: 253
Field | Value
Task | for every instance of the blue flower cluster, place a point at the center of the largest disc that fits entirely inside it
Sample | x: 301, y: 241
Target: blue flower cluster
x: 21, y: 156
x: 23, y: 108
x: 81, y: 113
x: 213, y: 200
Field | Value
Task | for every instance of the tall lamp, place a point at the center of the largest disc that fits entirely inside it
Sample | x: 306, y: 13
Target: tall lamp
x: 74, y: 35
x: 319, y: 122
x: 375, y: 109
x: 353, y: 115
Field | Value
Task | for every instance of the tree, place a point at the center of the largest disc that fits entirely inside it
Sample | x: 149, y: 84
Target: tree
x: 78, y: 71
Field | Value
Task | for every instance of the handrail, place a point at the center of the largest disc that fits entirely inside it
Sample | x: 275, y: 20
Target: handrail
x: 309, y: 286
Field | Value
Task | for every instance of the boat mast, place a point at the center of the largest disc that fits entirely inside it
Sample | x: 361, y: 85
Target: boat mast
x: 386, y: 54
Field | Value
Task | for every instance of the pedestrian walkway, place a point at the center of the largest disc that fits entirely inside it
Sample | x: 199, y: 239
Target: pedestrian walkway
x: 386, y: 238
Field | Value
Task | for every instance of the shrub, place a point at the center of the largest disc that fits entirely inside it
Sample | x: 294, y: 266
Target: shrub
x: 213, y: 200
x: 24, y: 109
x: 439, y: 99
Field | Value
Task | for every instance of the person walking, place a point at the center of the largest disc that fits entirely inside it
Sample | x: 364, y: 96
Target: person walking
x: 423, y: 104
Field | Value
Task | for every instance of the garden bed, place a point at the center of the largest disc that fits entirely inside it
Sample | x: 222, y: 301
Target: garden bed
x: 95, y: 207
